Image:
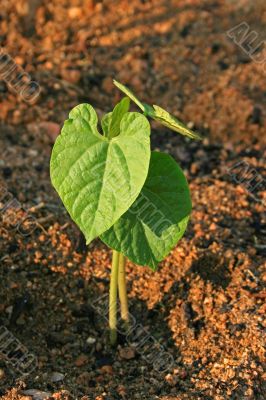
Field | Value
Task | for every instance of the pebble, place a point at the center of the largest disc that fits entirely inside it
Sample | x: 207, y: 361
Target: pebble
x: 71, y: 75
x: 108, y: 85
x: 90, y: 340
x: 194, y: 168
x: 74, y: 12
x: 121, y: 390
x: 107, y: 369
x: 81, y: 360
x: 213, y: 227
x: 171, y: 379
x: 56, y: 377
x: 33, y: 152
x: 127, y: 353
x: 13, y: 285
x: 37, y: 394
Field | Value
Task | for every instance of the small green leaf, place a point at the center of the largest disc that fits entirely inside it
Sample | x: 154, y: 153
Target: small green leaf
x: 160, y: 115
x: 119, y: 111
x: 98, y: 179
x: 105, y: 123
x: 157, y: 220
x: 171, y: 122
x: 111, y: 121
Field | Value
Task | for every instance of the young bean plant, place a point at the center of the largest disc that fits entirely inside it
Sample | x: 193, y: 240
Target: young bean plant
x: 114, y: 187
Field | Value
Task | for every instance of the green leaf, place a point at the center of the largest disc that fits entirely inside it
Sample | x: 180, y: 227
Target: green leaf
x: 98, y: 179
x: 157, y: 220
x: 171, y: 122
x: 105, y: 123
x: 119, y: 111
x: 111, y: 121
x: 160, y: 115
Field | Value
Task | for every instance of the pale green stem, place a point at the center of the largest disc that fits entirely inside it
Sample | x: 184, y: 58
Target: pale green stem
x: 113, y: 298
x: 123, y: 289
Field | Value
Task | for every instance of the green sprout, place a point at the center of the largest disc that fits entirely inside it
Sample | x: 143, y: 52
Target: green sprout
x: 114, y: 187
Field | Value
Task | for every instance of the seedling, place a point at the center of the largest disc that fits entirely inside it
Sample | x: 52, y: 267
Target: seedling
x: 114, y: 187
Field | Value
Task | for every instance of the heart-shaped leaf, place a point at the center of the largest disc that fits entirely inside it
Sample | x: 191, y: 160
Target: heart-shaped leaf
x: 98, y: 179
x: 159, y: 114
x: 157, y: 219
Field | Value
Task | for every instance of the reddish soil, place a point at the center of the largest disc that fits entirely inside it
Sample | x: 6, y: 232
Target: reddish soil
x: 206, y: 303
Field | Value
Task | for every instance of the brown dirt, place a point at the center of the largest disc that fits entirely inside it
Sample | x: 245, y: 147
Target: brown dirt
x: 206, y: 303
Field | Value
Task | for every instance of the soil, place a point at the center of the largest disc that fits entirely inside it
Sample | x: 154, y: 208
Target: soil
x: 205, y: 306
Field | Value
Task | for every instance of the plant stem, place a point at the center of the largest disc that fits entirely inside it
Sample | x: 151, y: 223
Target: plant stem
x: 113, y: 298
x: 123, y: 290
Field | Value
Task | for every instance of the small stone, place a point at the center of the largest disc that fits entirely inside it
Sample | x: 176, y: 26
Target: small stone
x: 33, y: 152
x: 81, y: 360
x: 107, y: 369
x: 48, y: 65
x: 194, y: 168
x: 127, y: 353
x: 190, y: 124
x: 213, y: 227
x: 121, y: 390
x: 63, y: 395
x: 56, y: 377
x: 19, y: 60
x: 108, y: 85
x: 90, y: 340
x: 171, y: 379
x: 37, y: 394
x: 74, y: 12
x: 71, y: 75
